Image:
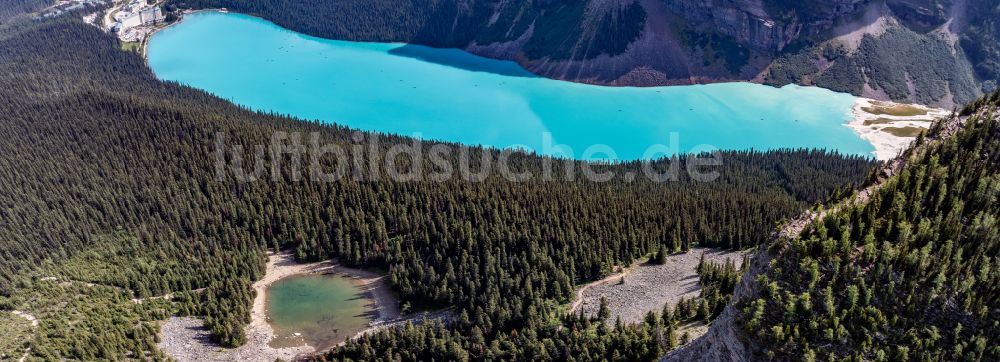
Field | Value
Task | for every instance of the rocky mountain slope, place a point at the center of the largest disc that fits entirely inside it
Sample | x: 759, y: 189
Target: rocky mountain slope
x: 938, y: 52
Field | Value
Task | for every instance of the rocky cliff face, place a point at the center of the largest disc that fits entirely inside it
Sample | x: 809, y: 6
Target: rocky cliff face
x: 767, y: 25
x: 761, y: 33
x: 921, y: 14
x: 697, y: 41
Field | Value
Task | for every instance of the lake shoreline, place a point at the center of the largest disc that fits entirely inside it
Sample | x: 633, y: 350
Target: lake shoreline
x: 874, y: 127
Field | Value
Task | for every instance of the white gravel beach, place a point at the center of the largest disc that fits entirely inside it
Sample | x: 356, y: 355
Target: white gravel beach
x: 873, y: 127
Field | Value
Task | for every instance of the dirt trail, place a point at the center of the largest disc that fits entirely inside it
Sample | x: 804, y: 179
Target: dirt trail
x: 724, y: 340
x: 582, y: 290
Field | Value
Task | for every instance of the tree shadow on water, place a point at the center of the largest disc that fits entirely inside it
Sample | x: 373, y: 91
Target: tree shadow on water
x: 460, y: 59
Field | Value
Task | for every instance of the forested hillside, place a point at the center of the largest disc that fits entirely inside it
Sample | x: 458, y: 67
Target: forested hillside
x: 907, y: 272
x: 938, y: 52
x: 912, y: 274
x: 13, y: 8
x: 109, y: 192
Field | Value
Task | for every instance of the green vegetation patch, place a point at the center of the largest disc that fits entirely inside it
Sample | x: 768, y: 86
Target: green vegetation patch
x: 844, y: 75
x: 908, y: 131
x: 16, y: 333
x: 85, y: 322
x: 792, y: 68
x: 901, y: 60
x: 131, y: 46
x: 895, y: 62
x: 899, y: 110
x: 870, y: 122
x: 877, y: 121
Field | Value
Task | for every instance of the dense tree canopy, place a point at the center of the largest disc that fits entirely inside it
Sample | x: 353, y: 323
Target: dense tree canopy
x: 12, y: 8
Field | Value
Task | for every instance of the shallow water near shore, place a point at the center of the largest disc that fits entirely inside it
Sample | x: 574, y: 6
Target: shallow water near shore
x: 319, y: 310
x: 451, y: 95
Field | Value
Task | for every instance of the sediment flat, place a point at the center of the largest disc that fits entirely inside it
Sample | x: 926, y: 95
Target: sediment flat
x: 875, y: 122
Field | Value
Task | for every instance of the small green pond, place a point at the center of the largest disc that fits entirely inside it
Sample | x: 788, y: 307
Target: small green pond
x: 321, y: 310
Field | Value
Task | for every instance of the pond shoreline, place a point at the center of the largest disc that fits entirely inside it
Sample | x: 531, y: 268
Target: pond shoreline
x: 185, y: 339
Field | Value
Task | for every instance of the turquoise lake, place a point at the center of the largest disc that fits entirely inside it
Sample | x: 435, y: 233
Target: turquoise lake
x: 451, y: 95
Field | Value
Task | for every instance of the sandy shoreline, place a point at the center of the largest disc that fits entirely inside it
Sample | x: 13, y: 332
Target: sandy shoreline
x: 872, y: 127
x: 185, y: 339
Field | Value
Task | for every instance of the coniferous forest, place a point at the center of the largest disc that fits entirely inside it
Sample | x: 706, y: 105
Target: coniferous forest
x: 109, y: 187
x: 911, y: 274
